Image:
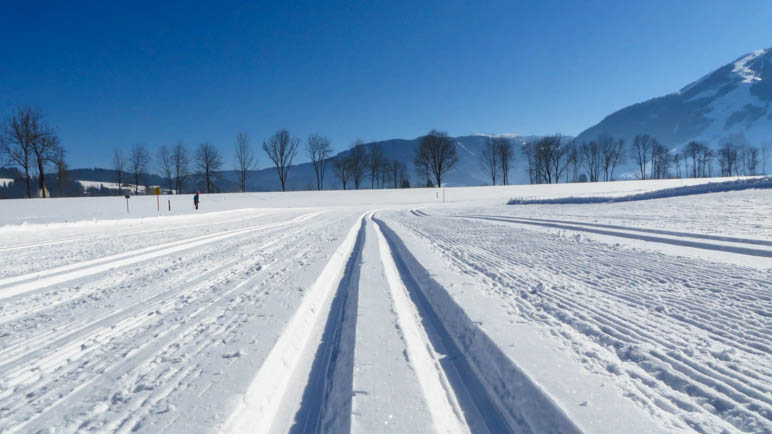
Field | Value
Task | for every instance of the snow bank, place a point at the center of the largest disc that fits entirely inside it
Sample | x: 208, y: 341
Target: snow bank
x: 711, y: 187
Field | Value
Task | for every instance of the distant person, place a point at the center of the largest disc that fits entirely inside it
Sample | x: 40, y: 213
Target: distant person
x: 195, y: 199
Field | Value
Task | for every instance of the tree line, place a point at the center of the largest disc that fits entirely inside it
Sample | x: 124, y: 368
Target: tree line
x: 554, y: 158
x: 29, y: 143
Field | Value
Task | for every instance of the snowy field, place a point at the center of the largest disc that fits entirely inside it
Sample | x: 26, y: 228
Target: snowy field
x: 389, y: 311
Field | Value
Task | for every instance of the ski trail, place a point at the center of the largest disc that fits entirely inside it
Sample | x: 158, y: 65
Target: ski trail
x: 133, y: 380
x: 263, y: 407
x: 146, y: 232
x: 443, y: 405
x: 386, y: 396
x: 10, y: 287
x: 326, y: 402
x: 674, y: 240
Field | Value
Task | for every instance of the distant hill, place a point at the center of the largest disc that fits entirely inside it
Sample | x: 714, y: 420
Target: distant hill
x: 731, y: 104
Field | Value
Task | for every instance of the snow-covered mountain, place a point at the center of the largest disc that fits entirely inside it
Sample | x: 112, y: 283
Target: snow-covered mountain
x: 731, y: 104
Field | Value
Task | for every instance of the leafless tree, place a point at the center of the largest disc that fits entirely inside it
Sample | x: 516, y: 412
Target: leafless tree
x: 397, y: 173
x: 750, y: 160
x: 62, y: 172
x: 440, y: 152
x: 551, y: 158
x: 342, y: 168
x: 529, y: 151
x: 44, y: 150
x: 166, y: 166
x: 661, y: 161
x: 727, y: 159
x: 642, y: 147
x: 422, y: 165
x: 319, y: 151
x: 489, y: 157
x: 208, y: 162
x: 119, y: 166
x: 139, y: 159
x: 612, y: 152
x: 375, y: 159
x: 764, y: 158
x: 506, y: 155
x: 24, y: 129
x: 592, y: 159
x: 574, y: 159
x: 245, y: 159
x: 281, y: 148
x: 358, y: 159
x: 180, y: 162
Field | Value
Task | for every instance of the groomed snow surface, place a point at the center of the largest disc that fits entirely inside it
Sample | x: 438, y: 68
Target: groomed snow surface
x: 389, y: 311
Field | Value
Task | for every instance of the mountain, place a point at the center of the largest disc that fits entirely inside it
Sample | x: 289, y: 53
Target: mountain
x: 731, y: 104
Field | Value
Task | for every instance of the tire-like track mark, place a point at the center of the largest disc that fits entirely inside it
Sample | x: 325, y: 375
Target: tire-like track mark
x: 146, y: 232
x: 277, y: 389
x: 326, y: 402
x: 655, y: 239
x: 481, y: 377
x: 18, y: 285
x: 189, y: 317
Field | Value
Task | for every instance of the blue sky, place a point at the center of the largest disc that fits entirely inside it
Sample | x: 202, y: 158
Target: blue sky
x: 110, y: 74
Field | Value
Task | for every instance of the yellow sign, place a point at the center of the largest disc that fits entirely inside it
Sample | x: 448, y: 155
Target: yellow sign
x: 157, y: 191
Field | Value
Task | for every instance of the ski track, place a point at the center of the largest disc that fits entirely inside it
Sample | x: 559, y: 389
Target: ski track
x: 700, y: 346
x: 260, y: 311
x: 121, y: 343
x: 55, y: 253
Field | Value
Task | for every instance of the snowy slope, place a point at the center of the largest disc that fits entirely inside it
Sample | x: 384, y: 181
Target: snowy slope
x: 731, y: 104
x: 388, y: 311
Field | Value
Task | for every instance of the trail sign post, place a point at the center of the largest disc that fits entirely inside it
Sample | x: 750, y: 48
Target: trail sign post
x: 158, y: 198
x: 127, y: 202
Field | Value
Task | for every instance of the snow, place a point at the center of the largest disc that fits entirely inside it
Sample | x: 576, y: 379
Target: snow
x: 741, y: 67
x: 5, y: 181
x: 390, y: 311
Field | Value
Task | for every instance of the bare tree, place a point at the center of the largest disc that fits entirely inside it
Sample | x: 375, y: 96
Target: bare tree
x: 592, y: 159
x: 422, y: 166
x: 281, y: 148
x: 209, y: 162
x: 642, y: 147
x: 342, y: 168
x: 139, y: 159
x: 25, y: 127
x: 166, y: 166
x: 529, y: 150
x: 506, y: 155
x: 611, y: 152
x: 764, y: 158
x: 489, y: 157
x: 397, y: 173
x: 660, y: 161
x: 358, y: 162
x: 62, y: 172
x: 727, y: 159
x: 44, y: 150
x: 375, y: 159
x: 441, y: 154
x: 245, y: 159
x: 180, y: 162
x: 551, y: 158
x: 119, y: 166
x: 319, y: 151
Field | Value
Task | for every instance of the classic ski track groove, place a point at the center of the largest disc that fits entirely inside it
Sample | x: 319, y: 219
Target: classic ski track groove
x: 190, y: 310
x: 675, y: 240
x: 600, y: 318
x: 14, y: 286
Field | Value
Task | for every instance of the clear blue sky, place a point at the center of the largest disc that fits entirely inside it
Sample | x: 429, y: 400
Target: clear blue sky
x: 110, y: 74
